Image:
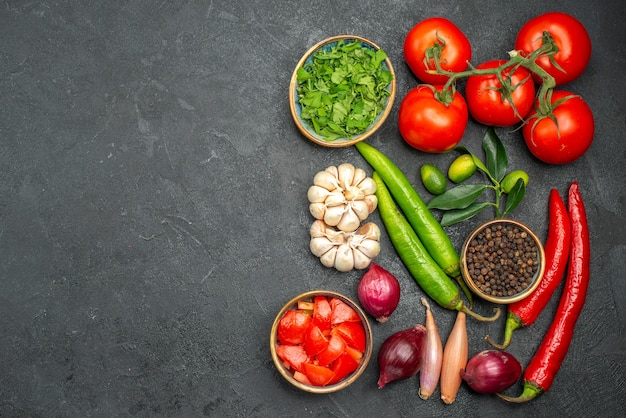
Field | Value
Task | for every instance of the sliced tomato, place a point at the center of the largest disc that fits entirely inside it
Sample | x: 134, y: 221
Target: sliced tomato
x: 336, y: 347
x: 352, y: 333
x: 293, y: 326
x: 293, y: 355
x: 318, y: 375
x: 315, y: 341
x: 301, y: 377
x: 322, y: 313
x: 342, y: 367
x: 342, y: 312
x: 354, y: 353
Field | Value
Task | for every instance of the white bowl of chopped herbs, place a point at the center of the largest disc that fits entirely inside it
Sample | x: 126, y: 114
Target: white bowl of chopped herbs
x: 342, y: 90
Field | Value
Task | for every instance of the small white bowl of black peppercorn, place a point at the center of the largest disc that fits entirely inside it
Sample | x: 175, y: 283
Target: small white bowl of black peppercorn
x: 502, y: 261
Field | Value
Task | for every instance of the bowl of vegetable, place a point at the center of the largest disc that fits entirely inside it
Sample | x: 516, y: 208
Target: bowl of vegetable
x: 342, y: 90
x: 502, y: 261
x: 321, y: 341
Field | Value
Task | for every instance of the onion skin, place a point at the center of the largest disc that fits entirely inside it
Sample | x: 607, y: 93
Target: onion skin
x: 379, y: 292
x: 400, y: 355
x: 454, y: 359
x: 432, y: 356
x: 491, y: 371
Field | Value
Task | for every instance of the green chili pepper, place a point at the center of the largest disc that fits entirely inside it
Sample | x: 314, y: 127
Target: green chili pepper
x: 427, y: 228
x: 418, y: 261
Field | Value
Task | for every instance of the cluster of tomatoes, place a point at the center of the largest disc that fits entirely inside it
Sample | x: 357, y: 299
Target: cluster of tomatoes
x: 558, y: 125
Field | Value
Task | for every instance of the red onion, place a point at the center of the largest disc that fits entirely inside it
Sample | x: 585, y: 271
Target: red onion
x: 491, y: 371
x: 400, y: 355
x: 379, y: 292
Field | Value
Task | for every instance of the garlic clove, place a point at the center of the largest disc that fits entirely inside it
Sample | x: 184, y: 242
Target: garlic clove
x: 320, y: 245
x: 329, y: 257
x: 369, y: 247
x: 369, y: 230
x: 353, y: 194
x: 318, y: 229
x: 368, y: 185
x: 349, y: 222
x: 317, y: 194
x: 318, y: 210
x: 344, y: 260
x: 326, y: 180
x: 345, y: 175
x: 335, y: 199
x: 361, y: 260
x: 359, y: 176
x: 372, y: 202
x: 333, y: 215
x: 361, y: 208
x: 333, y: 171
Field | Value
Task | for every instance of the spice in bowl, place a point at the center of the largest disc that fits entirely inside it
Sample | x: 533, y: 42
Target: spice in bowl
x: 503, y: 261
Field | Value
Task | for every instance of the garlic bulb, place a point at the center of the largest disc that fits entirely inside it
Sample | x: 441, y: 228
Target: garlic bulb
x: 345, y: 250
x: 342, y: 196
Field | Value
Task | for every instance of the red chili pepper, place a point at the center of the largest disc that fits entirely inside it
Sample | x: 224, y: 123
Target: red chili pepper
x: 546, y: 362
x: 523, y: 313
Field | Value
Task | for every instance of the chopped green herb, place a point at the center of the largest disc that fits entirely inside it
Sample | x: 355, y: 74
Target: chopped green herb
x: 343, y: 89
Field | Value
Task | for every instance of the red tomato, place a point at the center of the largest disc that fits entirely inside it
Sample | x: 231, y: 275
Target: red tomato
x: 486, y: 101
x: 567, y: 139
x: 293, y: 326
x: 352, y: 333
x: 342, y: 312
x: 427, y: 124
x: 571, y: 38
x: 293, y: 355
x: 322, y: 313
x: 336, y: 347
x: 315, y: 342
x: 317, y: 375
x: 342, y: 367
x: 455, y: 54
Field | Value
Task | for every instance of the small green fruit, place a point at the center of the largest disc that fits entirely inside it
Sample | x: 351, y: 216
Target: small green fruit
x: 433, y: 179
x: 510, y: 179
x: 462, y: 168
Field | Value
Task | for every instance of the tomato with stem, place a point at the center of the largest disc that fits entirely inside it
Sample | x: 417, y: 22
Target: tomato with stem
x: 563, y: 131
x: 568, y: 35
x: 431, y: 119
x: 433, y: 42
x: 500, y: 99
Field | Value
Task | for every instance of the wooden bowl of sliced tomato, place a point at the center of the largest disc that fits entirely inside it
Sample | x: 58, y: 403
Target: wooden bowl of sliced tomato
x: 321, y: 341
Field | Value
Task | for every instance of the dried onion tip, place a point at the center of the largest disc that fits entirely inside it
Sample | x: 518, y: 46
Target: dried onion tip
x: 379, y: 292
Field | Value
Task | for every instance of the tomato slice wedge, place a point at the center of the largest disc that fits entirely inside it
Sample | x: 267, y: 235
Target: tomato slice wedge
x: 336, y: 347
x: 352, y: 333
x: 342, y: 367
x: 293, y: 355
x: 318, y: 375
x: 342, y: 312
x: 301, y: 377
x: 293, y: 326
x: 315, y: 341
x: 322, y: 313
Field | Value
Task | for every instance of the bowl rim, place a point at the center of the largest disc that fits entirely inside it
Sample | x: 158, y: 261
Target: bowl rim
x: 346, y: 381
x: 293, y: 84
x: 503, y: 299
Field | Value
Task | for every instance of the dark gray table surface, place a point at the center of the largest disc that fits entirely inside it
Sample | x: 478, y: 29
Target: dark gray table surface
x: 154, y: 219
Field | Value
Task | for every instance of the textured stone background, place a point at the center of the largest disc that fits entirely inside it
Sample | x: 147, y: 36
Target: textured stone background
x: 153, y: 212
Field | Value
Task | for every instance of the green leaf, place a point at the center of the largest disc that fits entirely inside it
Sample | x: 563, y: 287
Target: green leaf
x: 458, y: 197
x: 452, y: 217
x: 495, y: 155
x: 515, y: 196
